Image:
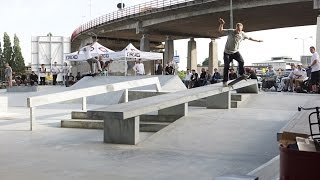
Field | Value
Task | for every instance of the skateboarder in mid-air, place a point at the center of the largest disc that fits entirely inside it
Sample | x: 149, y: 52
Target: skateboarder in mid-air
x: 231, y: 51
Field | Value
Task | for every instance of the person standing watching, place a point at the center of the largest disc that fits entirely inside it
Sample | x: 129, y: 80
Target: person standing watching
x: 139, y: 68
x: 315, y: 70
x: 8, y: 74
x: 66, y: 70
x: 159, y: 68
x: 188, y: 78
x: 54, y: 71
x: 231, y: 51
x: 42, y: 74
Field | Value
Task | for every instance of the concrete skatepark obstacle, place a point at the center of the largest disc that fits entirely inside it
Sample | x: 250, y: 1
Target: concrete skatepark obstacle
x: 83, y: 93
x: 3, y: 104
x: 168, y: 83
x: 121, y: 121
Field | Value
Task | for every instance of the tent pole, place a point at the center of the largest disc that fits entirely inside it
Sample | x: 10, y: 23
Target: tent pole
x: 125, y: 69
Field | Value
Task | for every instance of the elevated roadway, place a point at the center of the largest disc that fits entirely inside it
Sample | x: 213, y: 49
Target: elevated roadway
x: 181, y: 19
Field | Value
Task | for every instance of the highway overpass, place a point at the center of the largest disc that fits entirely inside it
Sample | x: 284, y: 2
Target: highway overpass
x: 148, y: 25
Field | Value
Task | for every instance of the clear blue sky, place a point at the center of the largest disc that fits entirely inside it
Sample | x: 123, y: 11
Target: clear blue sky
x: 62, y: 17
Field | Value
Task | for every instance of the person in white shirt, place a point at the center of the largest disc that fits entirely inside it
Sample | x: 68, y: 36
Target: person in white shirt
x: 298, y: 75
x: 54, y: 71
x: 188, y: 78
x: 139, y: 68
x: 315, y: 69
x: 285, y: 81
x: 91, y: 60
x: 42, y: 74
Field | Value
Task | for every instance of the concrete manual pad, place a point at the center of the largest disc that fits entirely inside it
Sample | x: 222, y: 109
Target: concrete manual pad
x: 206, y: 144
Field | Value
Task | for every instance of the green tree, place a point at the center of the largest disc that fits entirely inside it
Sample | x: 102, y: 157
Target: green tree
x: 182, y: 74
x: 49, y: 34
x: 205, y: 62
x: 18, y: 60
x: 1, y: 65
x: 7, y: 49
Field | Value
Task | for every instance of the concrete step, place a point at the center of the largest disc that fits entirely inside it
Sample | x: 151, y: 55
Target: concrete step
x: 152, y: 126
x: 234, y: 104
x: 158, y: 118
x: 146, y: 117
x: 78, y: 115
x: 82, y: 124
x: 239, y: 96
x: 98, y: 124
x: 236, y: 97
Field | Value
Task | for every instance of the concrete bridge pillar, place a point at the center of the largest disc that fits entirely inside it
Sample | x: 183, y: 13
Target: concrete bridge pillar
x: 318, y: 35
x: 213, y: 55
x: 145, y: 46
x: 169, y: 50
x: 192, y: 54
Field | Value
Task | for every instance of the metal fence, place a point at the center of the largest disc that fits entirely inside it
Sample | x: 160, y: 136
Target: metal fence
x: 125, y: 12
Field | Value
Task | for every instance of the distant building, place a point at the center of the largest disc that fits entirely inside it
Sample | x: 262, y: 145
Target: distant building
x: 305, y: 60
x: 282, y: 62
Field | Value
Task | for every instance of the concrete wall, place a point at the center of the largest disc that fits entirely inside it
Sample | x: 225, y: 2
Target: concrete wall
x: 3, y: 104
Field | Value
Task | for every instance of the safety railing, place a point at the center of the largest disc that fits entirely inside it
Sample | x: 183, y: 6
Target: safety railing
x: 36, y: 101
x: 125, y: 12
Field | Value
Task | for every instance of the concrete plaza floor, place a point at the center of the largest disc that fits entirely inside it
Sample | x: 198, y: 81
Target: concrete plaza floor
x: 203, y: 145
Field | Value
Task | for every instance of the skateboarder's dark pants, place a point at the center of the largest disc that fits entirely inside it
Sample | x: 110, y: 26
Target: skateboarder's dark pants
x: 227, y: 58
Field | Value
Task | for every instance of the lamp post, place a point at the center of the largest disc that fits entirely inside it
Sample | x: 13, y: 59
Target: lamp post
x: 231, y: 23
x: 303, y: 39
x: 231, y: 15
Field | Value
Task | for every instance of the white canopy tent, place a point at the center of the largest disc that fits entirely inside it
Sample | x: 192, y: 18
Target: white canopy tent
x: 131, y: 53
x: 89, y: 51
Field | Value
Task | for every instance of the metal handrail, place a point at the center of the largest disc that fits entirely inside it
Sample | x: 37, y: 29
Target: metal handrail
x: 125, y: 12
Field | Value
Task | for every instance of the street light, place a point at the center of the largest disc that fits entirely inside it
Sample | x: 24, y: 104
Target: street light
x: 231, y: 15
x: 303, y: 39
x: 231, y: 23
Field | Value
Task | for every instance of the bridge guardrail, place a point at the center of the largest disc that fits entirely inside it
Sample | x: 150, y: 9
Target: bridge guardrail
x: 125, y: 12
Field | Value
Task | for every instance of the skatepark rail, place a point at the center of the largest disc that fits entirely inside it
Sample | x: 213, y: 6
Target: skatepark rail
x: 33, y: 102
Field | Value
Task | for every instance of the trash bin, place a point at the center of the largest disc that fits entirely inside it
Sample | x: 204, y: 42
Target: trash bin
x: 299, y: 165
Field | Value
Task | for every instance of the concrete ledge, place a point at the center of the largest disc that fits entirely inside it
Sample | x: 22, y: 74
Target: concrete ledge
x: 152, y: 126
x: 159, y: 118
x: 269, y: 170
x: 82, y: 124
x: 3, y: 104
x: 237, y: 177
x: 78, y: 115
x: 145, y: 126
x: 23, y: 89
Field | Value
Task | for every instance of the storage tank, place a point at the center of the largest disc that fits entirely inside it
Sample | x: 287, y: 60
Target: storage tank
x: 47, y: 50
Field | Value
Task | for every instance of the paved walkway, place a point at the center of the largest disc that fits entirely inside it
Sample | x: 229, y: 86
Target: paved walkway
x: 204, y: 145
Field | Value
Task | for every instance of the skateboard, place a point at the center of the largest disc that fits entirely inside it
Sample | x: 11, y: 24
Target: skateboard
x: 230, y: 84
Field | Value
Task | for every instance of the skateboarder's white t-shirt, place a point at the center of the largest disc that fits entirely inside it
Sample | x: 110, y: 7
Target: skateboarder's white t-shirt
x: 315, y: 67
x: 233, y: 41
x: 86, y: 52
